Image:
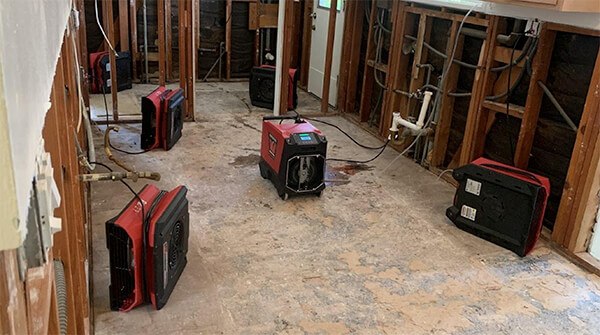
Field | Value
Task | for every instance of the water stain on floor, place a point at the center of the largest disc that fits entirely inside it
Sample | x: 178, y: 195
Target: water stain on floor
x: 352, y: 169
x: 247, y: 160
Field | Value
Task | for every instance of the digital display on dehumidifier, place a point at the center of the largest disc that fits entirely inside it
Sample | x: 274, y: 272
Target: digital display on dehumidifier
x: 305, y: 137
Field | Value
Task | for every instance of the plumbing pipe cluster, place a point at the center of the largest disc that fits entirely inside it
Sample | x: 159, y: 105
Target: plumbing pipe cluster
x: 416, y: 128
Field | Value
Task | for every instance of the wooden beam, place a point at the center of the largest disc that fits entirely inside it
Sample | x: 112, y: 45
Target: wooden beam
x: 196, y: 30
x: 133, y: 31
x: 417, y: 78
x: 540, y: 68
x: 328, y: 56
x: 567, y: 230
x: 168, y: 41
x: 442, y: 129
x: 73, y: 194
x: 367, y: 88
x: 306, y: 43
x: 476, y: 120
x: 124, y: 25
x: 228, y: 15
x: 162, y: 54
x: 354, y: 59
x: 107, y: 9
x: 398, y: 64
x: 83, y: 51
x: 448, y: 16
x: 348, y: 37
x: 187, y: 12
x: 288, y: 28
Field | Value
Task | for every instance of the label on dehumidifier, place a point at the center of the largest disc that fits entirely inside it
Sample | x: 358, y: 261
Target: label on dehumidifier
x: 468, y: 212
x: 165, y: 264
x: 473, y: 187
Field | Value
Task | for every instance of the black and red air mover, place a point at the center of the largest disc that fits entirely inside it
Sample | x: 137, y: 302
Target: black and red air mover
x: 100, y: 72
x: 262, y: 87
x: 162, y: 118
x: 500, y: 203
x: 293, y: 156
x: 147, y: 256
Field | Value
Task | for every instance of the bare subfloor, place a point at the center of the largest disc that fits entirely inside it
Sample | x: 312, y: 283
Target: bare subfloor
x: 374, y: 255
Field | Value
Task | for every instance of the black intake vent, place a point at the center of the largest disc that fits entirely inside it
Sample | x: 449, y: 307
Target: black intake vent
x: 121, y: 270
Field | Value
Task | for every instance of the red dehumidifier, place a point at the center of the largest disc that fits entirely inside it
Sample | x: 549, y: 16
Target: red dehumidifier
x: 500, y: 203
x: 293, y: 156
x: 147, y: 256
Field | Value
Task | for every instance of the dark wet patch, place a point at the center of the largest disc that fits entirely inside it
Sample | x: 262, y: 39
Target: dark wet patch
x: 243, y: 122
x: 351, y: 169
x: 251, y: 149
x: 334, y: 178
x: 248, y: 160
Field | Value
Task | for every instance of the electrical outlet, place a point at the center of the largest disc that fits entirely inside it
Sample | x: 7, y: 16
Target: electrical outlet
x: 532, y: 28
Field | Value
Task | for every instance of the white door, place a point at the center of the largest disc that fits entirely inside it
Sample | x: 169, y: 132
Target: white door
x: 318, y: 48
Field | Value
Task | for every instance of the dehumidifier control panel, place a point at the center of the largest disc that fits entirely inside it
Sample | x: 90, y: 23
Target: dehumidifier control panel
x: 305, y: 138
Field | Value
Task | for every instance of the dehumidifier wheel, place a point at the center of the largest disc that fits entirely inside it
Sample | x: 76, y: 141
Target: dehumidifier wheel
x: 263, y: 171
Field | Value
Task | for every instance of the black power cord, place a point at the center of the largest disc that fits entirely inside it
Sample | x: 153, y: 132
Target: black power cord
x: 108, y: 124
x: 345, y: 133
x: 361, y: 162
x: 380, y: 148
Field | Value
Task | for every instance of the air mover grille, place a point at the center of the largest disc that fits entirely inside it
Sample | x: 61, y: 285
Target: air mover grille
x: 122, y: 266
x: 175, y: 245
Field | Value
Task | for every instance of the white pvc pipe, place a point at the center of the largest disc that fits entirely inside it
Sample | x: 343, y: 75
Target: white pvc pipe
x: 278, y: 57
x: 424, y: 107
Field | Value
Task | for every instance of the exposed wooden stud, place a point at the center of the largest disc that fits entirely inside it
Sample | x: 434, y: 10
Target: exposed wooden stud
x: 83, y: 50
x: 73, y: 195
x: 107, y: 9
x: 288, y: 23
x: 196, y: 6
x: 476, y: 120
x: 448, y: 16
x: 540, y: 68
x: 566, y: 229
x: 187, y: 12
x: 162, y: 54
x: 329, y: 56
x: 354, y: 58
x: 398, y: 65
x: 367, y: 88
x: 168, y: 41
x: 442, y: 129
x: 135, y: 55
x: 123, y: 25
x: 306, y: 43
x: 228, y: 14
x: 348, y: 38
x: 417, y: 78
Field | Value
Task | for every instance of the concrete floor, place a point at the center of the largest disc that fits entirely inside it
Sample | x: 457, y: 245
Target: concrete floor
x: 374, y: 255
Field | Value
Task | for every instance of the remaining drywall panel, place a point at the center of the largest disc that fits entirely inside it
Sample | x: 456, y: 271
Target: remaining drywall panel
x: 31, y: 34
x: 584, y: 20
x: 9, y: 225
